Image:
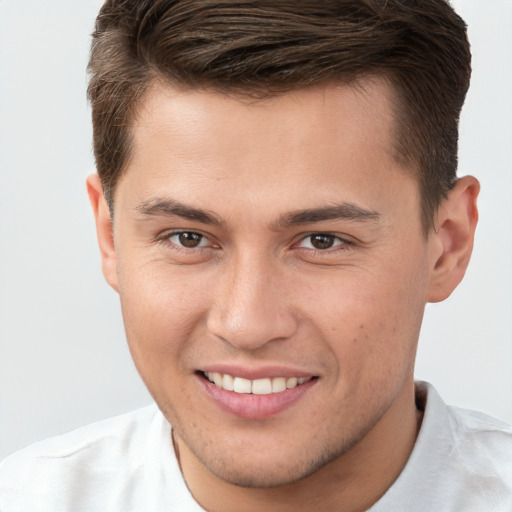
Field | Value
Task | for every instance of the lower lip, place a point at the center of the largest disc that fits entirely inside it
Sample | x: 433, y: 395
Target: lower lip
x: 250, y: 406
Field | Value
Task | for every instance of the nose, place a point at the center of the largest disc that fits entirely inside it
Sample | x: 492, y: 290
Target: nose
x: 251, y: 306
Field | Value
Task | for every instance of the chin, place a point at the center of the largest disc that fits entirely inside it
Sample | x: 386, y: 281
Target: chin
x: 270, y: 475
x: 264, y: 469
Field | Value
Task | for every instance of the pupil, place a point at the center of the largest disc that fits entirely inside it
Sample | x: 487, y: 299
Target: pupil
x: 190, y: 239
x: 322, y: 241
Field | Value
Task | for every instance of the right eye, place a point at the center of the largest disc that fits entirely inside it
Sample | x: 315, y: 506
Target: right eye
x: 188, y: 239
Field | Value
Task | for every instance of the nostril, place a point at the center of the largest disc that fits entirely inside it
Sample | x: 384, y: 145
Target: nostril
x: 252, y: 328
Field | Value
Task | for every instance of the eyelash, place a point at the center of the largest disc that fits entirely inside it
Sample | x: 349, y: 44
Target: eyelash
x: 167, y: 240
x: 341, y: 243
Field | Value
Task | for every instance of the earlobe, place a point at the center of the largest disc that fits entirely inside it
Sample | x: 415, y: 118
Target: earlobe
x: 104, y: 229
x: 452, y: 241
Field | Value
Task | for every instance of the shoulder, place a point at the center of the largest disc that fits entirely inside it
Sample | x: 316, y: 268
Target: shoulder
x: 110, y: 435
x: 471, y: 433
x: 469, y: 453
x: 462, y: 460
x: 52, y: 471
x: 482, y: 442
x: 476, y: 461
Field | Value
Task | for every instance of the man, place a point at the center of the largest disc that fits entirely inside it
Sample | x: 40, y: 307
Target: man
x: 276, y: 202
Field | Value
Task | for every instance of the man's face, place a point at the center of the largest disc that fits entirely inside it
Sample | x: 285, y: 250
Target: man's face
x: 267, y: 241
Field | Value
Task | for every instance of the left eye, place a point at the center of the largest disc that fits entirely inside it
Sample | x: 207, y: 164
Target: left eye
x: 189, y: 239
x: 321, y: 241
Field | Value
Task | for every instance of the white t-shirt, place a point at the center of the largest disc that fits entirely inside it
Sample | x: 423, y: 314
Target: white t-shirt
x: 462, y: 462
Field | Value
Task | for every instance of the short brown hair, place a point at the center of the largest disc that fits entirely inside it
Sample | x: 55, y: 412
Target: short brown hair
x: 266, y: 47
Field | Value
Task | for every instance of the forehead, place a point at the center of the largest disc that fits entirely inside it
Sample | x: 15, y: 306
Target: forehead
x: 316, y: 115
x: 319, y: 145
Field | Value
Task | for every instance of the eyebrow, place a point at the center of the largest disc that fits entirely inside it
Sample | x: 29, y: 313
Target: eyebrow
x: 171, y: 207
x: 342, y: 211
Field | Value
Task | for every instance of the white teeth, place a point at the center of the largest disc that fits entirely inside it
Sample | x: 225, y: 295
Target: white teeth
x: 228, y: 382
x: 278, y: 384
x: 241, y: 385
x: 262, y: 386
x: 256, y: 387
x: 291, y: 382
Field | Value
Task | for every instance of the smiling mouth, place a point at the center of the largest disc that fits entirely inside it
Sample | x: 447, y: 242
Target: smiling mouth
x: 257, y: 386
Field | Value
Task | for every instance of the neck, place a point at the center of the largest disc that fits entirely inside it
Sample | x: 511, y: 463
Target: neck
x: 351, y: 483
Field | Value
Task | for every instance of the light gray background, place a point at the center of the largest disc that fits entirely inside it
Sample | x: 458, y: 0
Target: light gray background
x: 63, y: 357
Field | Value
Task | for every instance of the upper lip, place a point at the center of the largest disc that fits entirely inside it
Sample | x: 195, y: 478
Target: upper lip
x: 253, y: 373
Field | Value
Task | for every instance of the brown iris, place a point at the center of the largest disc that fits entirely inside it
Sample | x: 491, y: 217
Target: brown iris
x: 320, y: 241
x: 189, y: 239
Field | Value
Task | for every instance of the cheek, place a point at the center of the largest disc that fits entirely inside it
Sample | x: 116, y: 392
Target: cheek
x: 371, y: 320
x: 161, y: 308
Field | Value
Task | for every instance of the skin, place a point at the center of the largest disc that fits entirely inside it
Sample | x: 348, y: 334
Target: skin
x: 257, y: 294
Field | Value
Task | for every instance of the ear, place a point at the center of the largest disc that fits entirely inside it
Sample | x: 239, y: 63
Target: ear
x: 104, y: 229
x: 452, y: 238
